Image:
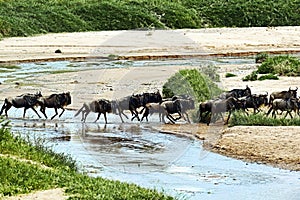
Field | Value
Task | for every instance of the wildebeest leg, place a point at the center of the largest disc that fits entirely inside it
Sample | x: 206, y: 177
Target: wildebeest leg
x: 7, y: 107
x: 146, y: 113
x: 273, y: 114
x: 163, y: 117
x: 43, y: 110
x: 63, y: 110
x: 105, y: 118
x: 135, y: 114
x: 186, y: 118
x: 33, y: 110
x: 98, y: 117
x: 172, y: 120
x: 269, y: 111
x: 3, y: 107
x: 84, y: 115
x: 288, y: 112
x: 227, y: 118
x: 56, y: 113
x: 24, y: 112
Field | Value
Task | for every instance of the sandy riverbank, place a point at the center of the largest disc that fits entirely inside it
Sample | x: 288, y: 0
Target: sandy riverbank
x: 276, y: 146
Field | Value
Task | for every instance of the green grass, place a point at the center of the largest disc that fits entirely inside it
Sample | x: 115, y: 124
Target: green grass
x: 14, y: 67
x: 260, y: 119
x: 47, y: 170
x: 28, y: 17
x: 283, y: 65
x: 268, y: 77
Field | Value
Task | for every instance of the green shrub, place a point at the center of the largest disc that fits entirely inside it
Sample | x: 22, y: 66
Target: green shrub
x: 228, y: 75
x: 268, y: 77
x: 191, y: 82
x: 261, y: 57
x: 283, y: 65
x: 251, y: 77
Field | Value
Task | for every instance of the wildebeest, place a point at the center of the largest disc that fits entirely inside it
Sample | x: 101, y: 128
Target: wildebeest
x: 140, y: 100
x: 236, y: 93
x: 217, y: 107
x: 171, y: 107
x: 225, y: 105
x: 254, y: 101
x: 205, y: 108
x: 151, y: 108
x: 55, y: 101
x: 120, y: 105
x: 186, y: 103
x: 283, y: 95
x: 25, y: 101
x: 101, y: 106
x: 135, y: 102
x: 287, y: 105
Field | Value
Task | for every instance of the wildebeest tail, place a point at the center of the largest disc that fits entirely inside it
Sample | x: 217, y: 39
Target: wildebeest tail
x: 80, y: 110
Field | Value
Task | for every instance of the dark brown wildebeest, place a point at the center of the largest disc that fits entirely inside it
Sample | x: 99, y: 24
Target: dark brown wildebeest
x: 283, y: 95
x: 225, y: 105
x: 140, y: 100
x: 220, y: 106
x: 287, y: 105
x: 25, y: 101
x: 254, y: 101
x: 205, y: 108
x: 171, y: 107
x: 187, y: 103
x: 56, y: 101
x: 101, y: 106
x: 236, y: 93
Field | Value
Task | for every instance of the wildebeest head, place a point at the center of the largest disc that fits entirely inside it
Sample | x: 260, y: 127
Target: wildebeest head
x: 68, y: 98
x: 262, y: 99
x: 135, y: 101
x: 293, y: 92
x: 38, y: 94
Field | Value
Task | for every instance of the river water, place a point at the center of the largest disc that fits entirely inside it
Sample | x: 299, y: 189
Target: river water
x: 138, y: 153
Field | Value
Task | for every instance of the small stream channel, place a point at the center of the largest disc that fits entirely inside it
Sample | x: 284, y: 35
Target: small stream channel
x: 137, y: 153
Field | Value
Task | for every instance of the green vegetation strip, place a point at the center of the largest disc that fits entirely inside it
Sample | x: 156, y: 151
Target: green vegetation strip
x: 260, y: 119
x: 46, y: 170
x: 272, y: 67
x: 28, y: 17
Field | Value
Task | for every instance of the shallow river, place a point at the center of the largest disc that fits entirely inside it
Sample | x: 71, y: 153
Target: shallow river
x: 138, y: 153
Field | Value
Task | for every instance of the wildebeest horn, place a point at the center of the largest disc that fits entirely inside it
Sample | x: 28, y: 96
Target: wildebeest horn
x: 267, y: 93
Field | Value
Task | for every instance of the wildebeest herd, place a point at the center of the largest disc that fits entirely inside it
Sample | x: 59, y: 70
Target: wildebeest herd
x: 173, y: 109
